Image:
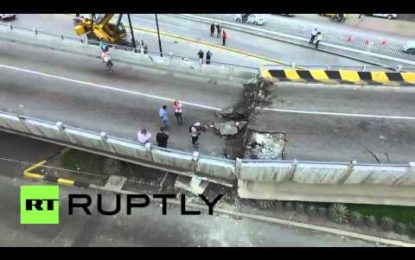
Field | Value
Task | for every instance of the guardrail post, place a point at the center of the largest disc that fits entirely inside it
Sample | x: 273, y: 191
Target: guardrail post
x: 11, y: 27
x: 104, y: 138
x: 61, y: 129
x: 238, y: 167
x: 60, y: 126
x: 195, y: 160
x: 149, y: 150
x: 410, y: 174
x: 349, y: 172
x: 294, y: 168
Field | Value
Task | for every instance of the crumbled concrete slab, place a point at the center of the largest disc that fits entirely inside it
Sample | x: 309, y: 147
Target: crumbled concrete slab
x: 226, y: 128
x: 193, y: 185
x: 115, y: 182
x: 241, y: 124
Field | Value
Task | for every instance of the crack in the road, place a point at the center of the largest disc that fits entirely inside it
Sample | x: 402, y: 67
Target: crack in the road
x: 253, y: 95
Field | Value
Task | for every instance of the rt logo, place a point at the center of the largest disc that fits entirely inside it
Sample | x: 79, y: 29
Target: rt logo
x: 39, y: 204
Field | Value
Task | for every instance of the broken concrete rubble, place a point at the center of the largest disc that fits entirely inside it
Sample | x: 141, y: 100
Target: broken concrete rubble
x: 266, y: 146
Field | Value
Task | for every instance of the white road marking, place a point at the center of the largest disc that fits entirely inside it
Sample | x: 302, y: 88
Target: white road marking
x: 336, y: 114
x: 95, y: 85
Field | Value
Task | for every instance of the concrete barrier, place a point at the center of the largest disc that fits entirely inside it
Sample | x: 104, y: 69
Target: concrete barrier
x: 175, y: 160
x: 386, y: 175
x: 130, y: 149
x: 266, y: 171
x: 216, y: 168
x: 260, y: 179
x: 315, y: 173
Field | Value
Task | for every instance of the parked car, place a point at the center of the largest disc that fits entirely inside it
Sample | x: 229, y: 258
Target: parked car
x: 409, y: 47
x: 288, y: 15
x: 388, y: 16
x: 250, y: 18
x: 7, y: 17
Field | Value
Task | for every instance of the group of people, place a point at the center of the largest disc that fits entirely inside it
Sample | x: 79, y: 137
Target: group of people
x: 201, y: 56
x: 162, y: 136
x: 316, y: 37
x: 220, y: 33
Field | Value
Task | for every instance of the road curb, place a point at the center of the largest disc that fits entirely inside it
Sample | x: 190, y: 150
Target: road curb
x: 28, y: 174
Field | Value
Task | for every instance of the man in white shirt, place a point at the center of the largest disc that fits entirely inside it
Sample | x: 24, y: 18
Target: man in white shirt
x: 313, y: 35
x: 143, y: 136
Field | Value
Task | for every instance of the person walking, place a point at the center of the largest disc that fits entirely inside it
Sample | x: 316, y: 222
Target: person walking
x: 218, y: 30
x: 143, y: 136
x: 319, y: 37
x: 313, y: 36
x: 194, y: 133
x: 212, y: 30
x: 162, y: 137
x: 163, y: 116
x: 208, y: 57
x: 224, y: 36
x: 178, y: 111
x: 200, y: 54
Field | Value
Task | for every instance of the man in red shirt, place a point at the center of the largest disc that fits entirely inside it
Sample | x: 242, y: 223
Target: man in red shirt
x: 224, y: 37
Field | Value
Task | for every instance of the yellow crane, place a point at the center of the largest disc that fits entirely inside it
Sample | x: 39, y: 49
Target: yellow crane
x: 100, y: 27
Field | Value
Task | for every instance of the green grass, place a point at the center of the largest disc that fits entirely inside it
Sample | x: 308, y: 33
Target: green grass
x: 397, y: 213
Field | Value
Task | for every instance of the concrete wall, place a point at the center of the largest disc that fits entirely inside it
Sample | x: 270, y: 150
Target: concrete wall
x: 308, y: 173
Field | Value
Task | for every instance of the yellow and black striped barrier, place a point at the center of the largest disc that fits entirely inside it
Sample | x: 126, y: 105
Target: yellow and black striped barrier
x: 340, y: 76
x: 50, y: 178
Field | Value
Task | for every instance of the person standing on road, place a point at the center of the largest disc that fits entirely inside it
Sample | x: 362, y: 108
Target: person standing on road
x: 218, y: 30
x: 319, y: 37
x: 163, y: 116
x: 224, y: 36
x: 313, y: 36
x: 162, y: 137
x: 200, y: 54
x: 208, y: 57
x: 178, y: 111
x: 194, y: 133
x: 212, y: 30
x: 143, y: 136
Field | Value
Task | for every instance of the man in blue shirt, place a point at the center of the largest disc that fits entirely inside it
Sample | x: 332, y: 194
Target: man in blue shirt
x: 163, y: 116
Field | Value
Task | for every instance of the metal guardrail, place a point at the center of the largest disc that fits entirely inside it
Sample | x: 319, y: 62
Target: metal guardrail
x: 338, y: 36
